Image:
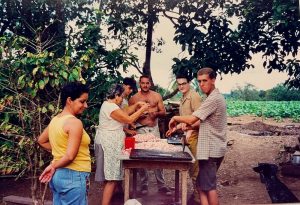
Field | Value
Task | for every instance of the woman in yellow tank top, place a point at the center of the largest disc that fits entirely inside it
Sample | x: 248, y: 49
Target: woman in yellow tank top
x: 68, y: 142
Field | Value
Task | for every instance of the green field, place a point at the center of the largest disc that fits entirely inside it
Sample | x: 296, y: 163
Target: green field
x: 268, y: 109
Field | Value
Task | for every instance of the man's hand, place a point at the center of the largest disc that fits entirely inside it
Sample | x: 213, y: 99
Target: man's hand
x: 172, y: 123
x: 183, y: 126
x: 47, y: 174
x: 145, y: 107
x: 170, y: 131
x: 180, y: 126
x: 186, y: 127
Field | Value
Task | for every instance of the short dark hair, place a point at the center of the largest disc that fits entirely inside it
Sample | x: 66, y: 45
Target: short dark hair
x: 115, y: 90
x: 211, y: 73
x: 73, y: 90
x: 131, y: 82
x: 144, y: 76
x: 183, y: 76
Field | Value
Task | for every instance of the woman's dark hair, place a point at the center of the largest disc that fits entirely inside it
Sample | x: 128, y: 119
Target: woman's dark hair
x: 115, y: 90
x: 131, y: 82
x: 73, y: 90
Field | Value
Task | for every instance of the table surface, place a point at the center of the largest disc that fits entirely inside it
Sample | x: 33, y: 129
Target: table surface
x: 126, y: 157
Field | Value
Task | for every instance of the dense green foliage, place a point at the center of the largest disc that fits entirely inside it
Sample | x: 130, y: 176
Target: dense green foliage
x: 270, y: 27
x: 33, y: 69
x: 133, y: 24
x: 49, y: 17
x: 221, y: 34
x: 282, y: 93
x: 30, y: 98
x: 248, y: 92
x: 44, y: 44
x: 267, y: 109
x: 278, y: 93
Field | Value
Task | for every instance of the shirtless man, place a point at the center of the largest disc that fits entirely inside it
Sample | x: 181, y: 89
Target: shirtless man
x: 150, y: 119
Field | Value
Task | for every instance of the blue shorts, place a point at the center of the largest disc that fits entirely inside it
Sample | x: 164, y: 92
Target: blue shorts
x: 69, y: 187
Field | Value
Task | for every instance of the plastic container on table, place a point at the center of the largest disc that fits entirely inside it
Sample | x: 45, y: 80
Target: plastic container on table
x: 129, y: 142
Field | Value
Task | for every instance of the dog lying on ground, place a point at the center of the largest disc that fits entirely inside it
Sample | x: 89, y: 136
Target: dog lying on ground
x: 278, y: 191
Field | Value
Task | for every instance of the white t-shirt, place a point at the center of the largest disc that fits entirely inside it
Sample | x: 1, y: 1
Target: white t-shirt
x: 105, y: 120
x: 124, y: 103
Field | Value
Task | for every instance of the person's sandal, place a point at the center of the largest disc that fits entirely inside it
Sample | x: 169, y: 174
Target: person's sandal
x: 165, y: 190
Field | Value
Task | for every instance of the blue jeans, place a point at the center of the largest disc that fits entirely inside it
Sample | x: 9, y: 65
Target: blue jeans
x: 69, y: 187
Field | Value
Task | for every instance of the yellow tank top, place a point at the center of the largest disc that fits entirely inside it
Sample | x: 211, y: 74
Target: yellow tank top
x: 59, y: 141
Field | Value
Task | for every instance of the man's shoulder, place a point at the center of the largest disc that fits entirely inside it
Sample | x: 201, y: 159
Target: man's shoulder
x: 216, y: 96
x: 216, y: 93
x: 135, y: 95
x: 154, y: 93
x: 194, y: 94
x: 133, y: 99
x: 151, y: 94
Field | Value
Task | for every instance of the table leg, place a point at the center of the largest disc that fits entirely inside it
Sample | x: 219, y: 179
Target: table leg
x: 176, y: 186
x: 134, y: 182
x: 184, y: 174
x: 126, y: 186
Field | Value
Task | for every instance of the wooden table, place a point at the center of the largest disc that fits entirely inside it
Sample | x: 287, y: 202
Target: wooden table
x: 180, y: 167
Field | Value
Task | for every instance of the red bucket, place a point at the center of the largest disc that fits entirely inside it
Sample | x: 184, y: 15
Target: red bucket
x: 129, y: 142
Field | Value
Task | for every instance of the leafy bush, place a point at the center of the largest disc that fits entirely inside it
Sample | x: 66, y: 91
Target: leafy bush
x: 269, y: 109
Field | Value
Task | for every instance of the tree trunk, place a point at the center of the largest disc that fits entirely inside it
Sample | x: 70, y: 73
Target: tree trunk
x: 59, y: 29
x: 27, y: 16
x: 170, y: 95
x: 147, y: 64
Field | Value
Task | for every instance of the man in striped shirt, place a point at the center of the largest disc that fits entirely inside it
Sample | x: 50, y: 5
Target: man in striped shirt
x: 211, y: 145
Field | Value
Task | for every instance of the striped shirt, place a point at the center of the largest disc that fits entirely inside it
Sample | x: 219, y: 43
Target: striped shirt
x: 213, y: 126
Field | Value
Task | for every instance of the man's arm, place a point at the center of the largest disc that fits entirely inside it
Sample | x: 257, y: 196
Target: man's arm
x: 188, y: 119
x: 194, y: 126
x: 161, y: 108
x: 182, y: 122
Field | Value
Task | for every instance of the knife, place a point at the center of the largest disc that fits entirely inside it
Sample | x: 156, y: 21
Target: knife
x: 138, y: 127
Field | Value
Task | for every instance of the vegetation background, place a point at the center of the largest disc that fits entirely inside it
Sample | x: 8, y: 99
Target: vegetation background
x: 44, y: 44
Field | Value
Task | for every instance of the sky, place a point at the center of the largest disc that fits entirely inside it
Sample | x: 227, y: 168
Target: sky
x: 161, y: 64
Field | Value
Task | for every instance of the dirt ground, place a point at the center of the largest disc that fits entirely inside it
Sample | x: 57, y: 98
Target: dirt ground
x: 250, y: 140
